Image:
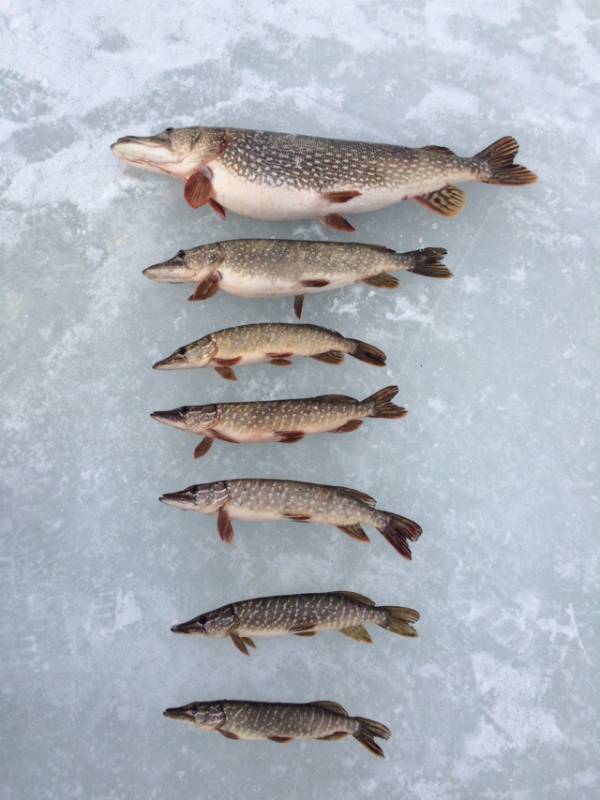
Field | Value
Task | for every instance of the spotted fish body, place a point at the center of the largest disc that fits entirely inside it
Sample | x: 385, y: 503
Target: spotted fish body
x: 267, y: 175
x: 273, y: 342
x: 299, y: 614
x: 271, y: 267
x: 281, y: 722
x: 284, y: 421
x: 268, y: 499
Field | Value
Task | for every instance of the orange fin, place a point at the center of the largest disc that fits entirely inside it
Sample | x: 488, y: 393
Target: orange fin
x: 217, y: 208
x: 198, y: 187
x: 338, y: 223
x: 224, y: 525
x: 355, y: 531
x: 206, y: 288
x: 280, y: 362
x: 227, y: 362
x: 382, y: 281
x: 227, y: 373
x: 287, y: 437
x: 229, y: 735
x: 332, y: 736
x: 316, y: 283
x: 278, y: 355
x: 448, y: 202
x: 203, y: 448
x: 298, y: 303
x: 340, y: 197
x: 349, y: 426
x: 298, y: 517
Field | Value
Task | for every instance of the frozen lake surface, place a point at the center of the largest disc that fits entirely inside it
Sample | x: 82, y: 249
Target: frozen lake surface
x: 498, y: 460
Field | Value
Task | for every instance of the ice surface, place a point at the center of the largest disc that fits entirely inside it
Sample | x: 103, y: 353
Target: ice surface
x: 498, y: 698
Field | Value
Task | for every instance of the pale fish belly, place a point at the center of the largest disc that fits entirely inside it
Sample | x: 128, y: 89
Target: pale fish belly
x: 250, y: 515
x: 307, y: 426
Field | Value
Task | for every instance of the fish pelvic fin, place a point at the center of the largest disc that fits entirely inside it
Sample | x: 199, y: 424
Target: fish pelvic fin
x: 399, y: 620
x: 494, y: 164
x: 367, y: 731
x: 382, y: 406
x: 367, y: 353
x: 398, y: 531
x: 427, y: 262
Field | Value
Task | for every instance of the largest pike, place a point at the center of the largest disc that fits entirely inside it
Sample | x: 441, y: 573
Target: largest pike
x: 280, y: 176
x: 281, y: 722
x: 268, y: 499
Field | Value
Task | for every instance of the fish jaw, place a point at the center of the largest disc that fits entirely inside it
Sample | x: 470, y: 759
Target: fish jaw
x: 206, y: 498
x: 209, y: 716
x: 174, y: 270
x: 152, y: 153
x: 194, y: 419
x: 192, y: 626
x: 197, y: 354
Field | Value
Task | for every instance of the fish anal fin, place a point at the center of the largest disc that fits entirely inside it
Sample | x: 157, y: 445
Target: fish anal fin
x: 239, y: 643
x: 280, y: 739
x: 227, y: 373
x: 355, y: 531
x: 228, y: 734
x: 217, y: 207
x: 330, y: 357
x: 333, y: 736
x: 338, y: 223
x: 448, y: 202
x: 359, y: 598
x: 298, y: 303
x: 382, y: 281
x: 357, y: 632
x: 329, y: 705
x: 349, y: 426
x: 203, y: 447
x: 288, y: 437
x: 316, y: 283
x: 206, y: 288
x: 224, y: 525
x: 198, y: 187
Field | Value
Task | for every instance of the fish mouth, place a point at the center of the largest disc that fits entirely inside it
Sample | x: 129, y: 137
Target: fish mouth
x: 192, y: 626
x: 171, y: 271
x: 145, y: 150
x: 182, y: 713
x: 173, y: 417
x: 170, y: 362
x: 182, y: 499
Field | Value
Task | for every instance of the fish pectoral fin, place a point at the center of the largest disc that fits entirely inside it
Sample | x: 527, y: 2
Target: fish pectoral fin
x: 239, y: 643
x: 337, y: 222
x: 288, y: 437
x: 315, y: 283
x: 329, y: 705
x: 280, y: 739
x: 357, y: 632
x: 355, y: 531
x: 198, y: 187
x: 297, y: 517
x: 448, y: 202
x: 280, y: 362
x: 330, y: 357
x: 382, y: 281
x: 349, y: 426
x: 342, y: 196
x: 250, y: 642
x: 203, y: 448
x: 224, y: 525
x: 298, y: 303
x: 227, y: 373
x: 217, y: 208
x: 228, y: 734
x: 359, y: 598
x: 333, y: 736
x: 206, y: 288
x: 304, y: 628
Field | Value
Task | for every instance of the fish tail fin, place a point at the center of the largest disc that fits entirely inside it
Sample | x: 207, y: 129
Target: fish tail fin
x: 428, y: 262
x: 399, y: 620
x: 398, y: 531
x: 368, y: 729
x: 381, y: 405
x: 367, y: 353
x: 495, y: 164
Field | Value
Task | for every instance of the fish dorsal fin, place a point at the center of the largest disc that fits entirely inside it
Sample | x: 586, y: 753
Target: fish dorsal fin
x: 341, y: 397
x: 329, y: 705
x: 448, y: 201
x: 361, y: 496
x: 438, y: 148
x: 359, y: 598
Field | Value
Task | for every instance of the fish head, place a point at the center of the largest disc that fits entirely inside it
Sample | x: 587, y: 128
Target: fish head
x: 209, y: 716
x: 174, y: 151
x: 214, y: 623
x: 189, y: 418
x: 197, y: 354
x: 204, y: 497
x: 187, y: 266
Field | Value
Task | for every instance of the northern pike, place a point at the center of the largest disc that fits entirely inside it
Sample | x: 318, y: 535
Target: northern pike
x: 269, y: 499
x: 271, y: 267
x: 279, y: 176
x: 281, y: 722
x: 274, y: 342
x: 299, y: 614
x: 283, y: 421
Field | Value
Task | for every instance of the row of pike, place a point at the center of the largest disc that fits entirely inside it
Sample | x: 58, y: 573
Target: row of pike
x: 276, y: 176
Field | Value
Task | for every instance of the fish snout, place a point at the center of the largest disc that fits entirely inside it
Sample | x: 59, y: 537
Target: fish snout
x: 172, y: 271
x: 182, y: 499
x: 173, y: 361
x: 141, y: 148
x: 177, y: 713
x: 193, y: 626
x: 174, y: 417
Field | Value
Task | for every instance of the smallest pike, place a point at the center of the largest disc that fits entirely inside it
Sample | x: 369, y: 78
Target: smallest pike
x: 299, y: 614
x: 274, y: 342
x: 281, y: 722
x: 283, y: 421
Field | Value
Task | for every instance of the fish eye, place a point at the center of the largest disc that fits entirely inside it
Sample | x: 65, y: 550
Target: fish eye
x: 182, y: 351
x: 180, y: 254
x: 184, y: 409
x: 168, y: 130
x: 202, y: 620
